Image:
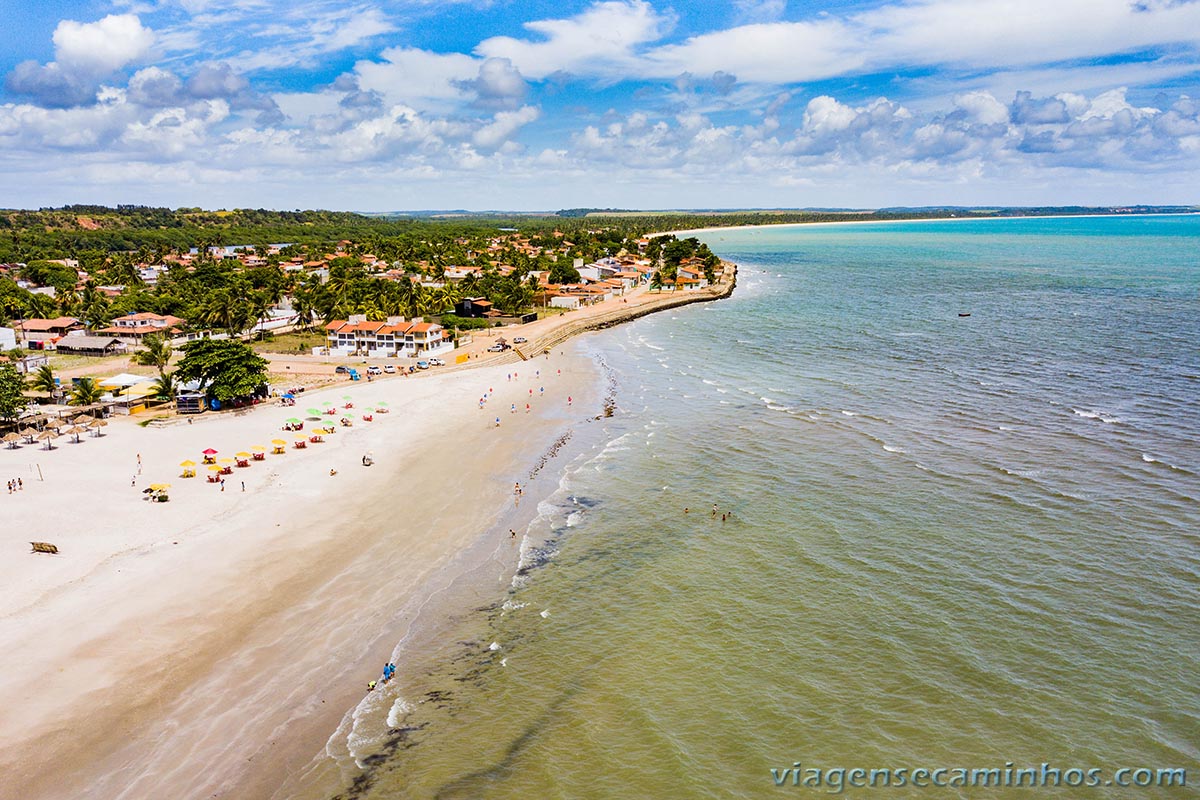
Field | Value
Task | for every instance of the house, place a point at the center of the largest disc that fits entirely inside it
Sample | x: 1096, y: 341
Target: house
x: 474, y: 307
x: 91, y: 345
x: 29, y: 363
x: 41, y: 330
x: 8, y: 339
x: 133, y: 328
x: 387, y: 339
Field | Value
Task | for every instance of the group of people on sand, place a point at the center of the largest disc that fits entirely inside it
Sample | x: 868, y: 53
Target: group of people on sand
x: 15, y: 485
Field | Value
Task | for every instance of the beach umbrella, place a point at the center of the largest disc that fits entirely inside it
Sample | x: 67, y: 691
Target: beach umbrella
x: 347, y: 397
x: 224, y: 460
x: 278, y: 441
x: 210, y: 452
x: 258, y: 448
x: 11, y: 439
x: 29, y: 433
x: 158, y: 487
x: 243, y: 454
x: 316, y: 412
x: 381, y: 403
x: 75, y: 430
x: 46, y: 436
x: 214, y: 468
x: 82, y: 419
x: 300, y: 437
x: 327, y: 403
x: 187, y: 463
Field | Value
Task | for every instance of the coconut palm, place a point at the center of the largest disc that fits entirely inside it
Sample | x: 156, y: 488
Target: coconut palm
x: 43, y: 379
x: 165, y: 387
x: 85, y: 393
x: 157, y: 353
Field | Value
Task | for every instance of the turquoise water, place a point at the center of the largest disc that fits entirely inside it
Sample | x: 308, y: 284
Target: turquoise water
x: 956, y: 541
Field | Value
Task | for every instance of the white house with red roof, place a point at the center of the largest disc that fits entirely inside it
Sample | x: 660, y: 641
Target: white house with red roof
x: 135, y: 327
x: 392, y: 337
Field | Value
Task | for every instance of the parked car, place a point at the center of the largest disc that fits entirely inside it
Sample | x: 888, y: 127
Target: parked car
x: 519, y: 340
x: 374, y: 370
x: 341, y: 370
x: 422, y: 364
x: 436, y: 362
x: 390, y: 369
x: 496, y: 348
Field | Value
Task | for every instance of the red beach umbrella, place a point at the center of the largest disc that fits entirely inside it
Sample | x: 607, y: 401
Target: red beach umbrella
x: 210, y: 452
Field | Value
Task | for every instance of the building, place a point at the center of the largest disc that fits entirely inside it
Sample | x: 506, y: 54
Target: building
x: 475, y: 307
x: 132, y: 328
x: 388, y: 339
x: 41, y: 330
x: 91, y: 345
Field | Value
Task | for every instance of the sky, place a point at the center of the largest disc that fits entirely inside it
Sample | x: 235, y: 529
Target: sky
x: 392, y: 105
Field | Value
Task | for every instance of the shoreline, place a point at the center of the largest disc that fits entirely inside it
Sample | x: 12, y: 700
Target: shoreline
x: 210, y: 645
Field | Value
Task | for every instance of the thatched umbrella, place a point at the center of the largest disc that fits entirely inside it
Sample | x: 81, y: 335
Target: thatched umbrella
x: 96, y: 425
x: 75, y: 430
x: 29, y: 434
x: 11, y: 440
x: 46, y: 436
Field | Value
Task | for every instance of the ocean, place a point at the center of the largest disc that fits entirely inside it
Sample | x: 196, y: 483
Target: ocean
x: 956, y: 537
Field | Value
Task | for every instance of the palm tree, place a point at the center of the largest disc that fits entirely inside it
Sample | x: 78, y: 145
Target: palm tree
x: 40, y: 306
x: 656, y: 281
x: 165, y: 387
x: 85, y: 392
x: 43, y: 379
x: 157, y: 353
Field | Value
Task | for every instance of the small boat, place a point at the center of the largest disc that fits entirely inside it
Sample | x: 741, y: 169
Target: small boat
x: 962, y: 314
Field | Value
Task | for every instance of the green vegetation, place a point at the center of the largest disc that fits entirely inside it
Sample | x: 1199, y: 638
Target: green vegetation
x: 157, y: 353
x: 226, y: 368
x: 12, y: 402
x: 86, y: 392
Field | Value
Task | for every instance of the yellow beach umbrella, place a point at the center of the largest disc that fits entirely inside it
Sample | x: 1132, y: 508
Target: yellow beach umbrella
x: 258, y: 448
x: 225, y: 461
x: 243, y: 454
x: 158, y: 487
x: 214, y: 468
x: 300, y: 437
x: 187, y: 463
x: 278, y: 441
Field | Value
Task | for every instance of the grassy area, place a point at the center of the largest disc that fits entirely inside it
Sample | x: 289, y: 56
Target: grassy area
x: 97, y: 363
x: 290, y: 343
x: 551, y: 311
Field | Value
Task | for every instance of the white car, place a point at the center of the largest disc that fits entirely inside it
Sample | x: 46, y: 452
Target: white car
x: 519, y: 340
x: 436, y: 362
x: 390, y: 369
x: 373, y: 370
x: 496, y: 348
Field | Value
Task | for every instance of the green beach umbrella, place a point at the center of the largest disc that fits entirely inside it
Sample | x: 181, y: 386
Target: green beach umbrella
x: 381, y: 403
x: 314, y: 411
x: 327, y: 403
x: 292, y: 421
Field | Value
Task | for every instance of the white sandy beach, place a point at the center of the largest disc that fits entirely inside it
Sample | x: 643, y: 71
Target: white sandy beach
x: 209, y: 645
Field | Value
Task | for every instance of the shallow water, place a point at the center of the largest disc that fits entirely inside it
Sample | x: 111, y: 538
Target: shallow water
x: 956, y: 541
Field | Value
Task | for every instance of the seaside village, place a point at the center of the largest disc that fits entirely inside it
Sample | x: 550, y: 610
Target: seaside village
x: 77, y: 370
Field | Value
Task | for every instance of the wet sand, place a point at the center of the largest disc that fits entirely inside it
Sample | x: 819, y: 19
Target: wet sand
x: 209, y: 646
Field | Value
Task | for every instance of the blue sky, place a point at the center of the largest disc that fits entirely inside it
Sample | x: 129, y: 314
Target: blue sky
x: 419, y: 104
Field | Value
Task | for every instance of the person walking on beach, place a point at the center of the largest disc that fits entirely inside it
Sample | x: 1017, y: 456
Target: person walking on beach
x: 222, y: 484
x: 243, y: 486
x: 512, y: 534
x: 20, y: 485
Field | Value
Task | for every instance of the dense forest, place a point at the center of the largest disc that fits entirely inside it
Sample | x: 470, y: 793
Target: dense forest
x: 75, y: 231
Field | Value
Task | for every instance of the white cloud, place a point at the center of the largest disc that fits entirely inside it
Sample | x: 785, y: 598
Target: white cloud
x: 603, y: 40
x: 101, y: 47
x: 418, y: 77
x: 503, y: 126
x: 85, y: 54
